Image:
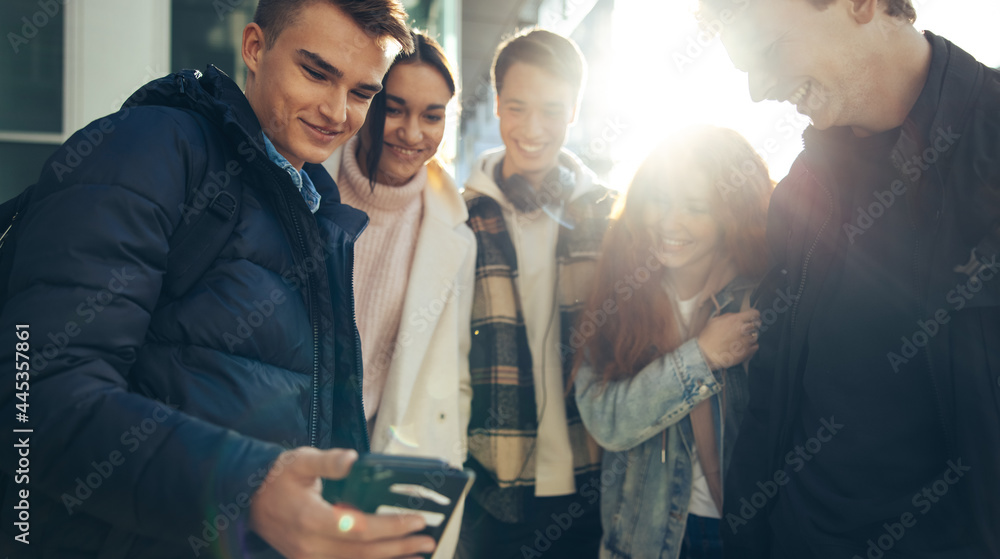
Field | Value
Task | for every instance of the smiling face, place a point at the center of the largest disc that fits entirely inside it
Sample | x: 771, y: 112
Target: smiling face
x: 416, y: 98
x: 535, y: 109
x: 817, y: 60
x: 311, y: 89
x: 686, y: 234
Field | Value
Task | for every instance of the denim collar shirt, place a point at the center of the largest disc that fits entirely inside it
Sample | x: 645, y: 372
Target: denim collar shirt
x: 300, y: 179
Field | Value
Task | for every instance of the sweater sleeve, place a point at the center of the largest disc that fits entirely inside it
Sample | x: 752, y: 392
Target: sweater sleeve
x: 622, y: 415
x: 87, y: 273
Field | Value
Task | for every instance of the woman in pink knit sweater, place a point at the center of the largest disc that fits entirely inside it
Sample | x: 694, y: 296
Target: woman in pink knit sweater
x: 414, y: 266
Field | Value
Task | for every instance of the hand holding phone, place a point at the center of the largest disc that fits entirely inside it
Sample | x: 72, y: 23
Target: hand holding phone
x: 289, y: 512
x: 391, y: 485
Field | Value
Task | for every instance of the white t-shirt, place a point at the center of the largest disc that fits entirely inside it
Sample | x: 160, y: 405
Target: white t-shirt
x: 534, y: 237
x: 701, y: 503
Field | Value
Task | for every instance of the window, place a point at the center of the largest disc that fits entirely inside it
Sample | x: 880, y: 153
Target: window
x: 31, y: 93
x: 205, y: 33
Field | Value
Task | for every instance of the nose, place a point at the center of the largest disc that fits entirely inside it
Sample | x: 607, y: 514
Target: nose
x: 761, y: 83
x: 334, y: 107
x: 410, y: 131
x: 670, y: 219
x: 533, y: 124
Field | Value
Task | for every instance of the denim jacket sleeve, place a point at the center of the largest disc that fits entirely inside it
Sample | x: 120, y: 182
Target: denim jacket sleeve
x: 622, y: 415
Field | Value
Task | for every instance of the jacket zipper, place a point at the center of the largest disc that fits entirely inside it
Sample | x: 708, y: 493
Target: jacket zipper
x: 357, y: 356
x: 313, y: 314
x: 926, y: 348
x: 805, y: 264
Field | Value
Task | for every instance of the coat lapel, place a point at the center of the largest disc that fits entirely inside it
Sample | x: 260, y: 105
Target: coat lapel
x: 440, y: 251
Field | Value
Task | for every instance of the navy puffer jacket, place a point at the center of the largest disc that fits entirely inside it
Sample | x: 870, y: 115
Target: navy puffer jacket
x: 261, y: 354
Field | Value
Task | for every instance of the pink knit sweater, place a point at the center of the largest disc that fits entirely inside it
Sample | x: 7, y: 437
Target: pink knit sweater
x: 382, y: 260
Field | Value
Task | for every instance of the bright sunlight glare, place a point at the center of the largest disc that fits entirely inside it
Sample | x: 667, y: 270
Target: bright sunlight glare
x: 668, y: 75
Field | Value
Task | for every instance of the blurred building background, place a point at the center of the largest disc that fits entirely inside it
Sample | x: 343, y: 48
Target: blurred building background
x: 652, y: 72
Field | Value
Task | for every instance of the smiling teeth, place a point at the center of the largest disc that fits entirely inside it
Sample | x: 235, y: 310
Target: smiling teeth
x: 405, y: 151
x: 531, y: 148
x: 674, y: 243
x: 799, y: 94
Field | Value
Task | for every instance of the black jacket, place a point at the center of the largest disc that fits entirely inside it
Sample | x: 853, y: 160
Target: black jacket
x: 260, y: 355
x: 958, y: 205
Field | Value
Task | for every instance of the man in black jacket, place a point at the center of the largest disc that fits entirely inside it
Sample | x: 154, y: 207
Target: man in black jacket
x: 166, y: 424
x: 874, y: 422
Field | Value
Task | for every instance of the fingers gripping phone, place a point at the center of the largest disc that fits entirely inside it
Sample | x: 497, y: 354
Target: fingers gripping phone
x: 384, y: 484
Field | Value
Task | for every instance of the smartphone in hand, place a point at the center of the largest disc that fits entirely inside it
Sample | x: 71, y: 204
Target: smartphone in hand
x: 388, y: 484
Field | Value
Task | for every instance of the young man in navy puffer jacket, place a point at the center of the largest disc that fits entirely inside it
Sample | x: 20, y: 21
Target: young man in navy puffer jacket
x: 192, y: 425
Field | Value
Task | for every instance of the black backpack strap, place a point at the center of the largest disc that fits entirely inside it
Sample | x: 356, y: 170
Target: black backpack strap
x: 207, y: 224
x: 11, y: 213
x: 210, y: 213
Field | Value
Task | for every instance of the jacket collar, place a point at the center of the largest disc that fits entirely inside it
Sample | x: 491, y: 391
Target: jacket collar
x: 734, y: 288
x: 943, y: 102
x: 481, y: 182
x: 215, y: 96
x: 447, y: 205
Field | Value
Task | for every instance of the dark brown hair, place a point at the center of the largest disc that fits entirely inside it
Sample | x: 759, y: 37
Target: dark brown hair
x: 549, y: 51
x: 895, y: 8
x: 426, y: 51
x: 643, y: 327
x: 381, y: 19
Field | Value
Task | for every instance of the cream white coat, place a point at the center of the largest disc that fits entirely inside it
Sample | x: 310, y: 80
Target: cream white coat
x: 425, y: 404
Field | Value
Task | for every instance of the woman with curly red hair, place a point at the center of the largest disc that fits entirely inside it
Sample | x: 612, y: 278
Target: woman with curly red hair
x: 660, y: 380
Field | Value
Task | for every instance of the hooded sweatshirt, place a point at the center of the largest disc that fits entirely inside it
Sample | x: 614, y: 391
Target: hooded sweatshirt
x: 534, y: 236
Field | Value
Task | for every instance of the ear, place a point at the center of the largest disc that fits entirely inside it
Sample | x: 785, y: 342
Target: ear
x: 253, y: 47
x: 863, y: 11
x: 572, y: 115
x: 496, y: 105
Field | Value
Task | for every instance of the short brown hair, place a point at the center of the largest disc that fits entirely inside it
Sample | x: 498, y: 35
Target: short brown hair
x: 551, y: 52
x: 381, y: 19
x: 902, y: 9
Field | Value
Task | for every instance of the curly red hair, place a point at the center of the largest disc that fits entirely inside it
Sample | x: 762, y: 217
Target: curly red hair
x: 642, y: 327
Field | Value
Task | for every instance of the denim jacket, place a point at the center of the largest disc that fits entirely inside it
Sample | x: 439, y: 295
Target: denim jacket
x: 644, y: 427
